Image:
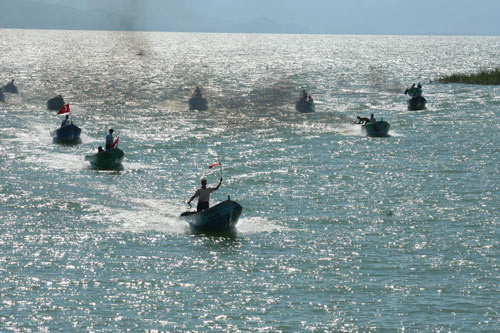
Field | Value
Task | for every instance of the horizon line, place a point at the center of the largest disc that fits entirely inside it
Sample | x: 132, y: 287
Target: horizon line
x: 262, y: 33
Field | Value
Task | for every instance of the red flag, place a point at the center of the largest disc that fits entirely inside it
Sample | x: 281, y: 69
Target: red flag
x: 211, y: 166
x: 115, y: 143
x: 64, y: 109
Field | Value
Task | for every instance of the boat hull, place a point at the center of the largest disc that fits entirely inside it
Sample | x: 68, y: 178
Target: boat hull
x: 10, y: 88
x: 106, y: 160
x: 376, y: 129
x: 2, y: 96
x: 55, y: 103
x: 219, y: 218
x: 417, y: 103
x: 305, y: 107
x: 68, y: 134
x: 198, y: 103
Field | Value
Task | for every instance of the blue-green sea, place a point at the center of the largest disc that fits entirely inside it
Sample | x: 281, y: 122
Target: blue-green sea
x: 339, y: 232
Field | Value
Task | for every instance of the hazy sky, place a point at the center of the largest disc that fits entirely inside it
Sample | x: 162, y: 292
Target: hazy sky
x: 466, y: 17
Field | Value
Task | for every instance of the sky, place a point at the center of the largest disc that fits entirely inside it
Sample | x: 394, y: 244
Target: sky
x: 424, y: 17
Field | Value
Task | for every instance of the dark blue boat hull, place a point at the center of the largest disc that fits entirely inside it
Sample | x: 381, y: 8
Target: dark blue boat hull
x: 376, y: 129
x: 10, y: 88
x: 55, y: 103
x: 198, y: 103
x: 68, y: 134
x: 305, y: 107
x: 219, y: 218
x: 417, y: 103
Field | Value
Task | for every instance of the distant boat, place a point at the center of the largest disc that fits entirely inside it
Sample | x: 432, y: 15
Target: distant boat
x: 106, y: 160
x: 197, y: 101
x: 10, y: 88
x: 417, y: 103
x: 376, y: 129
x: 55, y: 103
x: 304, y: 106
x: 219, y: 218
x: 2, y: 95
x: 69, y: 134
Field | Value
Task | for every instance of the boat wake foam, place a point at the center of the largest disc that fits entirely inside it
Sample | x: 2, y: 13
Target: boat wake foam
x: 254, y: 225
x: 148, y: 215
x: 350, y: 130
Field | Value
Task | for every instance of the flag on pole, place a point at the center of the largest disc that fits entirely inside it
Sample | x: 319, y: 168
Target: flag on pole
x: 212, y: 165
x: 64, y: 109
x: 115, y: 143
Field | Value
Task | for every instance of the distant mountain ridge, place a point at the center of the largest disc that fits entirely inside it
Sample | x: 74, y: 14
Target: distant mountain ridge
x: 25, y: 14
x: 266, y: 25
x: 22, y: 14
x: 383, y: 17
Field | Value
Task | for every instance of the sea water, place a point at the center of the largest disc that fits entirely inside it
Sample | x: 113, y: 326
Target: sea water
x: 339, y: 231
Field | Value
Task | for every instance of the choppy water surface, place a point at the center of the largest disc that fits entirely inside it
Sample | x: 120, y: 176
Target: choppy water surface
x: 339, y: 232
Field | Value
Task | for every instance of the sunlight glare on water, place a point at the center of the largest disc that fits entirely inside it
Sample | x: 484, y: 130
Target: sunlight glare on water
x: 339, y: 231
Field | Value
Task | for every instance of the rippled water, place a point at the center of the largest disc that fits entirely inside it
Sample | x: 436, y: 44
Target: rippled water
x: 339, y: 232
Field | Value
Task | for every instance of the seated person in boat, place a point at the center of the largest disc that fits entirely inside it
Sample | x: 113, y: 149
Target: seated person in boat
x: 310, y: 99
x: 66, y: 121
x: 203, y: 195
x: 372, y: 119
x: 414, y: 91
x: 109, y: 140
x: 197, y: 92
x: 99, y: 149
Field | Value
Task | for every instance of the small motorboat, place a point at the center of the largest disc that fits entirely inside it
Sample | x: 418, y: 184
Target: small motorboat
x: 376, y: 129
x: 69, y: 134
x: 10, y: 88
x: 55, y: 103
x: 219, y: 218
x: 417, y: 103
x: 106, y: 160
x: 198, y: 103
x: 304, y: 106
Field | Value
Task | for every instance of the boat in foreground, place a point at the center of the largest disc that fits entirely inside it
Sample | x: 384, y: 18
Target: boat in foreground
x: 69, y: 134
x: 106, y: 160
x: 219, y: 218
x: 376, y: 129
x: 304, y: 107
x: 417, y: 103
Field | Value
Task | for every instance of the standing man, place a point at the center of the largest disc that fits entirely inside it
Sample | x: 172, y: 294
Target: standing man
x: 203, y: 195
x: 109, y: 140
